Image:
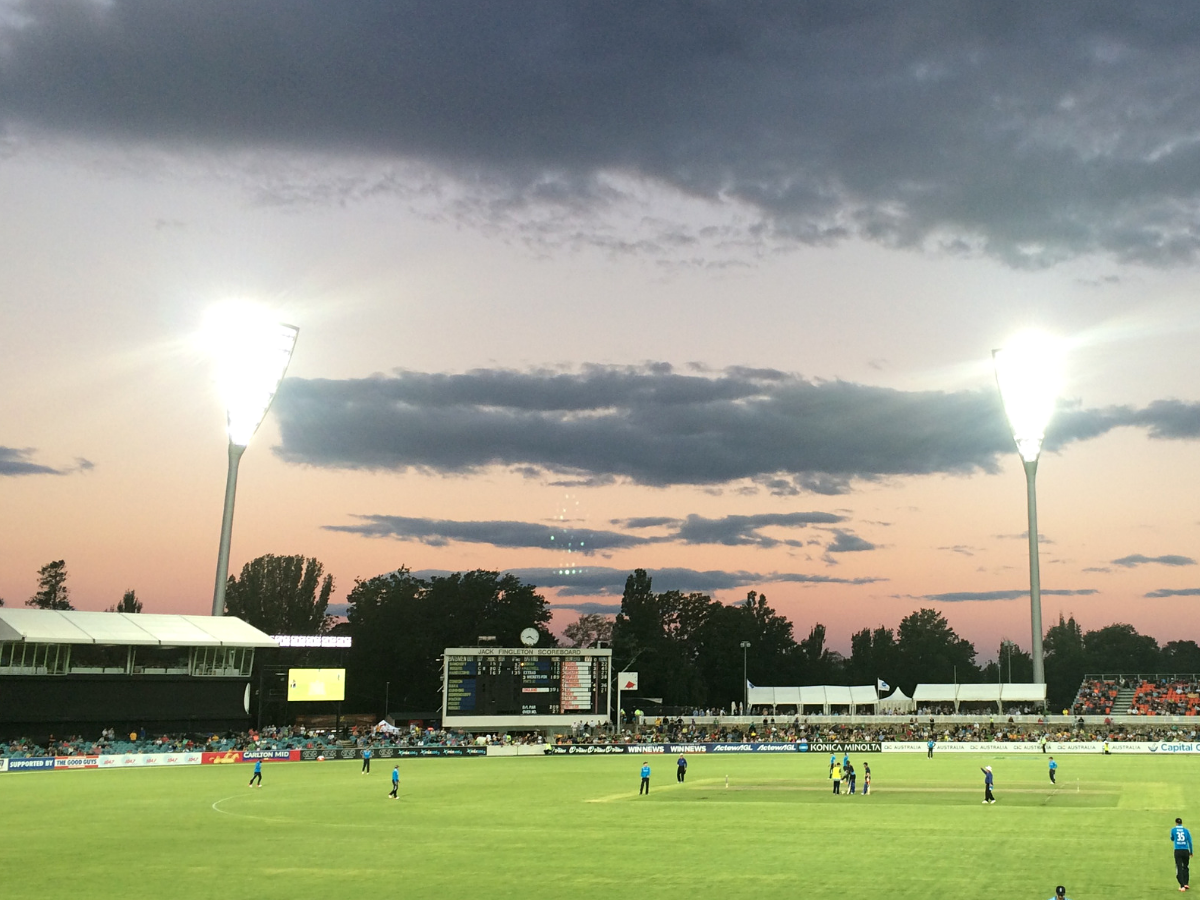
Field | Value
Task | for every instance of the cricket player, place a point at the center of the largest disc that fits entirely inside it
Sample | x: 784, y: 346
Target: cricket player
x: 680, y: 768
x: 1182, y: 839
x: 366, y: 766
x: 1053, y: 770
x: 866, y: 779
x: 257, y: 776
x: 395, y: 782
x: 645, y: 786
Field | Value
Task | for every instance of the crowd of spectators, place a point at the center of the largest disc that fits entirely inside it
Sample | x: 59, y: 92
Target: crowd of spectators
x: 668, y: 730
x: 1095, y: 698
x: 679, y: 730
x: 1166, y: 698
x: 272, y: 738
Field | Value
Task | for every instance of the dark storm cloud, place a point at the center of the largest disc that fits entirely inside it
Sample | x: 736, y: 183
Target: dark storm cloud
x: 735, y: 531
x: 591, y: 607
x: 654, y: 426
x: 437, y: 532
x: 965, y: 596
x: 1177, y: 592
x: 1030, y: 131
x: 730, y: 531
x: 612, y: 581
x: 18, y: 461
x: 1136, y: 559
x: 844, y: 542
x: 589, y: 581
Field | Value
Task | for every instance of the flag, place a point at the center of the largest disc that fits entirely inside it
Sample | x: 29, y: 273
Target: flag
x: 881, y: 685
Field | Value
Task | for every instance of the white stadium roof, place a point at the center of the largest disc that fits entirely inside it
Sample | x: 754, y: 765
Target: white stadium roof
x: 48, y: 626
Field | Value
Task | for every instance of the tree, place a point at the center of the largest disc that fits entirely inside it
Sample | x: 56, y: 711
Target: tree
x: 588, y: 630
x: 1181, y: 657
x: 129, y: 604
x: 929, y: 650
x: 1012, y: 664
x: 401, y: 626
x: 281, y: 595
x: 52, y: 592
x: 1065, y: 662
x: 1119, y: 648
x: 873, y: 656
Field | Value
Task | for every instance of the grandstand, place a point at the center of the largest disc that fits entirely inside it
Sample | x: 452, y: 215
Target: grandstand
x: 71, y: 672
x: 928, y: 699
x: 1159, y: 694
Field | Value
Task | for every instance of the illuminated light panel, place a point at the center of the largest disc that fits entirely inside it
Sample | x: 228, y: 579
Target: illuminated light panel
x: 252, y: 350
x: 1029, y: 371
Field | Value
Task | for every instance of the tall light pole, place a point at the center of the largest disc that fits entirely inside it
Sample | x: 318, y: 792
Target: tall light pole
x: 253, y: 351
x: 745, y: 680
x: 1029, y: 372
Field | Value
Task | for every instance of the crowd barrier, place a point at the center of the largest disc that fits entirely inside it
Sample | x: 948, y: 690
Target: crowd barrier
x: 223, y: 757
x: 140, y: 760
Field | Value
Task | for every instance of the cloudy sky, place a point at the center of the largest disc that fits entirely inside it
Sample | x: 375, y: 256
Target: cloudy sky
x: 705, y: 288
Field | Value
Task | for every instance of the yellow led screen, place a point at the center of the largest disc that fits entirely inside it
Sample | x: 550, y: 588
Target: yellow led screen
x: 316, y: 684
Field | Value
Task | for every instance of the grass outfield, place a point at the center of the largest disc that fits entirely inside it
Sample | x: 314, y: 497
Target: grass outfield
x: 575, y: 827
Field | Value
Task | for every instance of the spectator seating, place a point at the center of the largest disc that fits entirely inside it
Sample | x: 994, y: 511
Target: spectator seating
x: 1166, y: 698
x: 1095, y: 698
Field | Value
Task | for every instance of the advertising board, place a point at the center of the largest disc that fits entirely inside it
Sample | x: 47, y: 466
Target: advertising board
x: 30, y: 763
x: 271, y: 755
x: 219, y: 758
x: 76, y: 762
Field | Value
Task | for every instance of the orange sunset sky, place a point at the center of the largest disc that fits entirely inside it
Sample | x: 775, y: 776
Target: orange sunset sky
x: 677, y: 321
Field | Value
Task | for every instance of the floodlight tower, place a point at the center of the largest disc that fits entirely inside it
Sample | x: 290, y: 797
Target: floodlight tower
x: 1029, y: 372
x: 253, y: 351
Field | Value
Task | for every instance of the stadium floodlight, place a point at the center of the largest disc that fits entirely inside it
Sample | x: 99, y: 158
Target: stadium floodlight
x: 745, y: 680
x: 1029, y: 372
x: 252, y: 351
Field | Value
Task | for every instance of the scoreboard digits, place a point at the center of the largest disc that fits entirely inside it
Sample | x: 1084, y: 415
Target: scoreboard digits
x: 534, y: 686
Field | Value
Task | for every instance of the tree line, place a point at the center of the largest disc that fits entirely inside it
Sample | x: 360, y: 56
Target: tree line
x: 686, y: 646
x: 52, y: 591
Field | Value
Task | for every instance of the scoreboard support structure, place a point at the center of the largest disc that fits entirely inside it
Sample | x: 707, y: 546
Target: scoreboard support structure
x: 487, y: 688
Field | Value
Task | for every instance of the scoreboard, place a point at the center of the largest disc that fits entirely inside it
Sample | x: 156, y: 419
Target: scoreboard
x: 503, y: 687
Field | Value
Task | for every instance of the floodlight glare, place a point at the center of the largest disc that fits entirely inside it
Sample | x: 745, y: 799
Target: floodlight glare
x: 252, y: 351
x: 1029, y: 371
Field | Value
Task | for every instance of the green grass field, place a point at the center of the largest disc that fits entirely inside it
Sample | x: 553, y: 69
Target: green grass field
x: 575, y: 827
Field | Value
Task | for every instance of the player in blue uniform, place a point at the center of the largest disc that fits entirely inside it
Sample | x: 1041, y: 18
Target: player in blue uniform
x: 1182, y: 839
x: 1053, y: 770
x: 366, y: 766
x: 257, y: 776
x: 1060, y: 893
x: 645, y: 786
x: 680, y: 768
x: 929, y: 746
x: 866, y: 779
x: 987, y: 785
x: 395, y: 782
